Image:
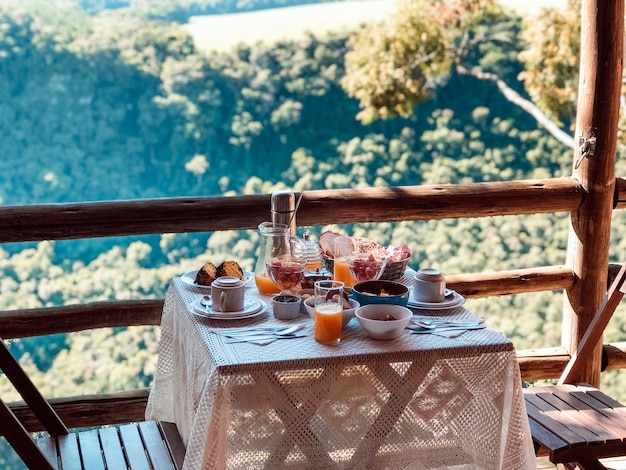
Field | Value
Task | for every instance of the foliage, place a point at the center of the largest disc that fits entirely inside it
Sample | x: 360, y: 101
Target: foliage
x: 395, y: 65
x: 551, y: 60
x: 389, y: 67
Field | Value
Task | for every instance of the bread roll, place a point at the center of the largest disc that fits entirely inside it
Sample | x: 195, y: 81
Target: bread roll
x: 206, y: 274
x: 230, y: 268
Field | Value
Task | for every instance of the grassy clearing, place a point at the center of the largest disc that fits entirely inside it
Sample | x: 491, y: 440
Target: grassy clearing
x: 222, y: 32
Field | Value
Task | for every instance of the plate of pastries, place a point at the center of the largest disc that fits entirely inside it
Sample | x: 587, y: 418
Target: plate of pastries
x: 209, y: 272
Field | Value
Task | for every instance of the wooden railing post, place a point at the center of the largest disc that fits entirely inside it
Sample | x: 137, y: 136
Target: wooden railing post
x: 602, y: 34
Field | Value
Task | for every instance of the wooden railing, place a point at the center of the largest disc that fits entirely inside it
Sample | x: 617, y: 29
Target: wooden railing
x: 178, y: 215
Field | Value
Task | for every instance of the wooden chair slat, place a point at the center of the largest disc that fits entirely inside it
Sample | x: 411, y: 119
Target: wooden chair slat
x: 545, y: 415
x: 48, y: 446
x: 134, y: 448
x: 35, y: 400
x: 612, y: 418
x: 157, y: 451
x: 607, y: 400
x: 546, y: 437
x: 20, y: 440
x: 588, y: 418
x: 590, y: 465
x: 69, y: 453
x: 173, y: 442
x: 595, y: 329
x: 90, y: 449
x: 112, y: 447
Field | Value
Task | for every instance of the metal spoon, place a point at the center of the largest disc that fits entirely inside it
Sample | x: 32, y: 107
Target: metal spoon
x: 205, y: 301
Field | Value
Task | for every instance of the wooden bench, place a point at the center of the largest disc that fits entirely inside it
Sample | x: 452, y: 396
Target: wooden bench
x: 578, y: 424
x: 143, y: 445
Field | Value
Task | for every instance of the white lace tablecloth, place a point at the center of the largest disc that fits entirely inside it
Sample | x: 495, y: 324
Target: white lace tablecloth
x: 416, y: 402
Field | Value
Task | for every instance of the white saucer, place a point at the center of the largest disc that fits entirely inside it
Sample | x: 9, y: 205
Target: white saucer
x: 252, y: 308
x: 452, y: 299
x: 190, y: 279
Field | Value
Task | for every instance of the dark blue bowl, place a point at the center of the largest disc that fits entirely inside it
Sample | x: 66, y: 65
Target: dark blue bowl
x: 380, y: 292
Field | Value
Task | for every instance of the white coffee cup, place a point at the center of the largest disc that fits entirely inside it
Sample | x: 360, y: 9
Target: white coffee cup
x: 227, y: 294
x: 429, y: 286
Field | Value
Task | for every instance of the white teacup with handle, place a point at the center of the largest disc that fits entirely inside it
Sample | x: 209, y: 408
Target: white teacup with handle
x: 227, y: 294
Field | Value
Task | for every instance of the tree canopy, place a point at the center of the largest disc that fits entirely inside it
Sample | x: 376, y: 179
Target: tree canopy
x: 397, y: 64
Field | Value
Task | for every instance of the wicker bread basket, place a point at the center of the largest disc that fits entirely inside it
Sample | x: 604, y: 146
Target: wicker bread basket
x: 394, y: 270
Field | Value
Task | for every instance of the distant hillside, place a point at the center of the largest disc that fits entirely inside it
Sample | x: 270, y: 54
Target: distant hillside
x: 222, y: 32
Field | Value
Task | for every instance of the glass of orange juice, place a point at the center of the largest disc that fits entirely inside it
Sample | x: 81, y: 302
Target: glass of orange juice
x: 342, y: 247
x: 328, y: 311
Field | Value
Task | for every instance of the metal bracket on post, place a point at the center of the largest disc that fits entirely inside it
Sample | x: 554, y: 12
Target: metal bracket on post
x: 586, y: 148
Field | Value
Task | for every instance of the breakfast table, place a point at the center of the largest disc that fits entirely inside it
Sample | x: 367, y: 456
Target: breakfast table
x: 420, y: 401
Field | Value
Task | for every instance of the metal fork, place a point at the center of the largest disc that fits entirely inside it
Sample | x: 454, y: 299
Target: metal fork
x: 258, y: 330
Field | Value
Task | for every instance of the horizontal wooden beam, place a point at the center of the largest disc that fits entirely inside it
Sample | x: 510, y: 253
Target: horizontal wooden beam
x: 433, y: 202
x: 516, y: 281
x: 619, y: 200
x: 90, y: 410
x: 549, y: 363
x: 614, y: 356
x: 342, y: 206
x: 70, y: 318
x: 542, y: 364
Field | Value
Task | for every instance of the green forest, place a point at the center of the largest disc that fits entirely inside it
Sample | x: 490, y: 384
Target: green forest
x: 112, y: 100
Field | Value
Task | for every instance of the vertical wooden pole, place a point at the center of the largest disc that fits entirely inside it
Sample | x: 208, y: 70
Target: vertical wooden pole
x: 602, y: 37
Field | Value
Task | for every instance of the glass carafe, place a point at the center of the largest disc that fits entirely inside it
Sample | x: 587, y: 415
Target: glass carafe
x: 284, y: 254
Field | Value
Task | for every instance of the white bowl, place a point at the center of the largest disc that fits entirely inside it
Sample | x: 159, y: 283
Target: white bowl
x: 346, y: 315
x: 372, y: 319
x: 305, y: 294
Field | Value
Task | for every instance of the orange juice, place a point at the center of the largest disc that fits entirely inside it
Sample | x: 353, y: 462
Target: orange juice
x: 265, y: 285
x: 342, y: 272
x: 328, y: 323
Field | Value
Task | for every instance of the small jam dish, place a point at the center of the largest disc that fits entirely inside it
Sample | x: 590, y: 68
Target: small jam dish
x: 383, y: 321
x: 286, y: 306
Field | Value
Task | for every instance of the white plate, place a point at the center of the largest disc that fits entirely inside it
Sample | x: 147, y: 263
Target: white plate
x: 453, y: 299
x: 252, y: 307
x: 190, y: 279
